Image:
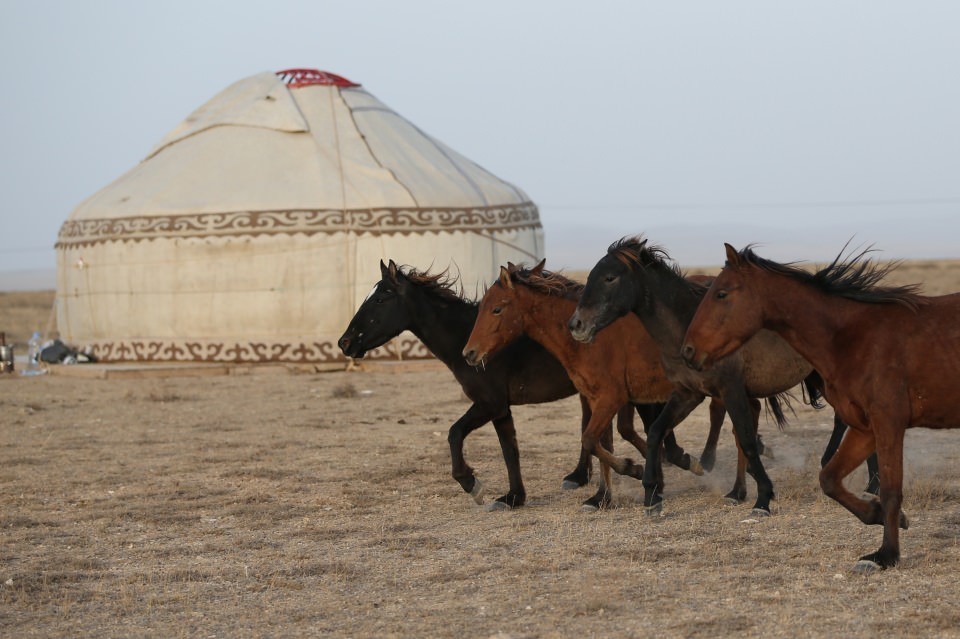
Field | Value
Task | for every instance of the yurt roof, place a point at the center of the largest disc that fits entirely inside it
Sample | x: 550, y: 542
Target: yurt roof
x: 298, y: 140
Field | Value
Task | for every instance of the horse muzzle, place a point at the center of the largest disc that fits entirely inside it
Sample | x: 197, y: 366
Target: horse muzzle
x: 351, y: 347
x: 689, y: 354
x: 473, y: 357
x: 580, y: 330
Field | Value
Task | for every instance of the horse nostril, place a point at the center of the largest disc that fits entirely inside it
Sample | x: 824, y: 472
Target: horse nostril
x: 344, y: 343
x: 468, y: 354
x: 687, y: 352
x: 575, y: 324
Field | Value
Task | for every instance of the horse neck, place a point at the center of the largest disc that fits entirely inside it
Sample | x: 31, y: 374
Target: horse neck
x: 806, y: 318
x: 665, y: 304
x: 443, y: 325
x: 545, y: 320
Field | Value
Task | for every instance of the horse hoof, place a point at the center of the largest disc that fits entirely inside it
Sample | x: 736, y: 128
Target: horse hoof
x: 695, y: 467
x: 767, y: 452
x: 569, y: 484
x: 760, y: 512
x: 866, y: 567
x: 904, y: 521
x: 477, y: 492
x: 495, y: 506
x: 587, y: 507
x: 731, y: 501
x: 654, y: 511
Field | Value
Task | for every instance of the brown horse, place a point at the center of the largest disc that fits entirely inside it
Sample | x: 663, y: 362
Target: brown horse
x: 621, y: 365
x: 889, y: 357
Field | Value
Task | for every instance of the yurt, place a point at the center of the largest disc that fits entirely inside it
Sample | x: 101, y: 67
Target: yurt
x: 255, y: 228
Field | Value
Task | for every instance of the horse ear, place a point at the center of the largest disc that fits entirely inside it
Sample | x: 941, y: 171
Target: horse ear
x: 384, y: 272
x: 733, y: 258
x: 390, y: 271
x: 505, y: 278
x: 538, y: 269
x: 511, y: 267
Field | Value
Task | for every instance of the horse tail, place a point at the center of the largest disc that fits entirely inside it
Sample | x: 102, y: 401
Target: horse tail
x: 775, y: 404
x: 812, y: 388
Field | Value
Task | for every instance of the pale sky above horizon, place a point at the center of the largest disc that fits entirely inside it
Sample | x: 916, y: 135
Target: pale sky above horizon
x: 793, y: 125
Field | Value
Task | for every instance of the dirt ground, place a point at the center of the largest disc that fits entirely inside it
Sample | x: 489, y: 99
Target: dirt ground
x: 265, y: 504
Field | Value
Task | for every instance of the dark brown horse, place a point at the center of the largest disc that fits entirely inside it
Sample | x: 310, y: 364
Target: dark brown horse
x: 621, y: 365
x: 433, y: 309
x: 889, y: 357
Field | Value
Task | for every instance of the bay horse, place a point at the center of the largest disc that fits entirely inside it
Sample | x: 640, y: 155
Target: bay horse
x: 431, y: 308
x: 889, y: 358
x: 621, y: 365
x: 640, y: 279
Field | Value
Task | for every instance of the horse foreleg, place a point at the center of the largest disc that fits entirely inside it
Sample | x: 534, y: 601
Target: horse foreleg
x: 889, y: 448
x: 581, y: 474
x: 873, y: 472
x: 604, y: 494
x: 602, y: 412
x: 672, y: 450
x: 744, y: 414
x: 681, y: 402
x: 855, y: 446
x: 839, y: 428
x: 507, y: 434
x: 709, y: 456
x: 873, y: 475
x: 474, y: 418
x: 739, y: 492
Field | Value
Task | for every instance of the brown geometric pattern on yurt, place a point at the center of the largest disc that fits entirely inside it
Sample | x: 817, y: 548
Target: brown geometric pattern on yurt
x: 86, y: 232
x: 171, y: 350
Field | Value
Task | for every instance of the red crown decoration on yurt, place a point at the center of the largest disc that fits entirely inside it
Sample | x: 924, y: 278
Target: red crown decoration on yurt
x: 296, y: 78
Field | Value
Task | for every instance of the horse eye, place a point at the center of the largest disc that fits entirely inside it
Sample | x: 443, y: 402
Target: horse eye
x: 610, y: 278
x: 497, y: 310
x: 721, y: 295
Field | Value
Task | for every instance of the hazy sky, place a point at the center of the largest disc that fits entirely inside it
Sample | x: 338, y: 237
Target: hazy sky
x: 796, y: 125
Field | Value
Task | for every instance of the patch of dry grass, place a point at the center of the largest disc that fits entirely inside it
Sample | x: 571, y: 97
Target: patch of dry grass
x: 123, y: 514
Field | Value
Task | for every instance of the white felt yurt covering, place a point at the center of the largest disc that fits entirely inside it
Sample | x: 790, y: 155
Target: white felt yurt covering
x: 255, y: 228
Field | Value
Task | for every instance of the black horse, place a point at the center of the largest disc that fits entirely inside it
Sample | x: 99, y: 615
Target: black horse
x: 634, y: 277
x: 525, y: 373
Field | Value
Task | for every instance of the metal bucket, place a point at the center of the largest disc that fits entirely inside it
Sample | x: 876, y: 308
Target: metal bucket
x: 6, y: 359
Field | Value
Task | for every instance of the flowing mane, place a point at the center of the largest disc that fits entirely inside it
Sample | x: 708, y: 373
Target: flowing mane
x: 856, y: 277
x: 443, y: 285
x: 547, y: 282
x: 635, y: 251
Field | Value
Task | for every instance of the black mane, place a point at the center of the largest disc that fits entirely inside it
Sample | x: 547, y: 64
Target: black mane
x: 635, y: 251
x: 856, y: 277
x: 443, y: 285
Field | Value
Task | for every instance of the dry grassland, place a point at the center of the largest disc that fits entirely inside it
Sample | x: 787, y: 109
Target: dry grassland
x: 321, y: 505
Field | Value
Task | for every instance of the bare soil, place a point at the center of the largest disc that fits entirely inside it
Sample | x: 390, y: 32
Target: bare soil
x: 262, y: 504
